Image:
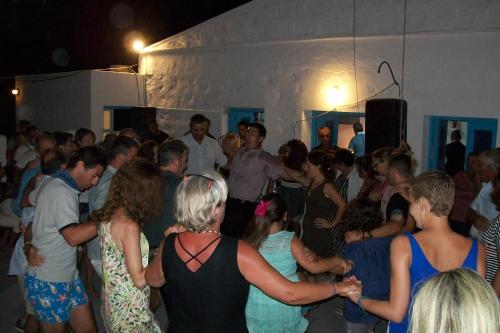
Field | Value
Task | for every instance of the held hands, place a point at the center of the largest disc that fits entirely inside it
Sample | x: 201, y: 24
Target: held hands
x: 323, y: 223
x: 353, y: 235
x: 350, y: 288
x: 342, y: 268
x: 354, y: 295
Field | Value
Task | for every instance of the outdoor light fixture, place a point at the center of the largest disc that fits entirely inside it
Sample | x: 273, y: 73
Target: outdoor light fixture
x: 138, y: 45
x: 15, y: 91
x: 335, y: 95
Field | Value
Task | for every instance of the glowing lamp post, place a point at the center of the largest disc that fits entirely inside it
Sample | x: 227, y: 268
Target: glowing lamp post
x: 138, y: 45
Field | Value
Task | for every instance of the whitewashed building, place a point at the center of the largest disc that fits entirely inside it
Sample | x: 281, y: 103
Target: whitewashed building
x: 291, y: 57
x: 286, y: 61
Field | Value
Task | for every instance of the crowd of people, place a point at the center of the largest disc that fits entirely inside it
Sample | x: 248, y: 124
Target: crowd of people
x: 234, y: 239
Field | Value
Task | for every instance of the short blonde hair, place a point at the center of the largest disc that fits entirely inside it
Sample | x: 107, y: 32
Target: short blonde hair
x: 195, y: 199
x: 231, y: 138
x: 437, y: 188
x: 458, y: 301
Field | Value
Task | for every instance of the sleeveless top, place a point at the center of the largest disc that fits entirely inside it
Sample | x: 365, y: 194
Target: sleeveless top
x: 267, y: 315
x: 211, y: 299
x: 125, y: 308
x: 421, y: 270
x: 318, y: 206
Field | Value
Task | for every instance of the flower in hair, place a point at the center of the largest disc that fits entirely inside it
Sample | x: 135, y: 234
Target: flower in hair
x: 261, y: 208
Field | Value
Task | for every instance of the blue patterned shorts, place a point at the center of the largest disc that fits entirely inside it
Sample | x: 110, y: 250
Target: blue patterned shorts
x: 53, y: 301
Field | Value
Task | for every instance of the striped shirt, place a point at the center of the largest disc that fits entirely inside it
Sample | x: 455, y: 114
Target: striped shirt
x: 491, y: 242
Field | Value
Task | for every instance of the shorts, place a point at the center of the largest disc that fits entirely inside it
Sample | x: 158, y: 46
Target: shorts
x: 53, y: 301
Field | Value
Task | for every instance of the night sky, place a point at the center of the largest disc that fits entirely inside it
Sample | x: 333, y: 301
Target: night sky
x: 45, y: 36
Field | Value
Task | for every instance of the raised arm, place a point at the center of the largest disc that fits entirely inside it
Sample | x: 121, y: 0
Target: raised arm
x: 396, y: 308
x: 334, y: 265
x: 259, y: 273
x: 294, y: 175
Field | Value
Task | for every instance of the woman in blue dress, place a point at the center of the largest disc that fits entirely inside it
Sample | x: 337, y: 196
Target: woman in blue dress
x: 282, y: 250
x: 417, y: 258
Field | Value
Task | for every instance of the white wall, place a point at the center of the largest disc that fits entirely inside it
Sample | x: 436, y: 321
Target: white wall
x: 283, y: 55
x: 114, y: 89
x: 68, y: 101
x: 55, y: 101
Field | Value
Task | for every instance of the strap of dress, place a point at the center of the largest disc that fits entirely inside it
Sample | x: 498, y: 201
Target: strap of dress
x: 416, y: 251
x: 195, y: 256
x: 471, y: 260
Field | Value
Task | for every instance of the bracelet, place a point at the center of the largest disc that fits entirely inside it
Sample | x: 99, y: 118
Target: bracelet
x: 28, y: 243
x: 360, y: 304
x: 334, y: 288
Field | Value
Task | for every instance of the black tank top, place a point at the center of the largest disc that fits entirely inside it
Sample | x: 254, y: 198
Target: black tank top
x: 213, y: 298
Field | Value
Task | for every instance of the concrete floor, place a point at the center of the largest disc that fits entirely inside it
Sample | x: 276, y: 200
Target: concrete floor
x: 326, y: 317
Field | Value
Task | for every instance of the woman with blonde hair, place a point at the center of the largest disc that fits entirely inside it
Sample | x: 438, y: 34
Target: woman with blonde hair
x: 417, y: 257
x: 207, y: 275
x: 134, y: 197
x: 457, y: 301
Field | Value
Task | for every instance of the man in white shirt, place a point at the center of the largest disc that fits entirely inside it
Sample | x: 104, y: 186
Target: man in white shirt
x: 204, y: 152
x: 482, y: 210
x: 26, y: 153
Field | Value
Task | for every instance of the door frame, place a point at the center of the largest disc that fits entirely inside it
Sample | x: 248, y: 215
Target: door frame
x: 235, y: 115
x: 432, y: 162
x: 316, y: 115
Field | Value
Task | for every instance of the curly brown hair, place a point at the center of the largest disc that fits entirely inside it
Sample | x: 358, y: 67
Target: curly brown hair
x: 137, y: 189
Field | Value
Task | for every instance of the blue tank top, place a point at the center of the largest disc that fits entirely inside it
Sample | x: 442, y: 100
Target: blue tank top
x: 421, y: 270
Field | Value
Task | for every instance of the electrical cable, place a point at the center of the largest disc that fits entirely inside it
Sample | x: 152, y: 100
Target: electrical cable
x: 341, y: 107
x: 354, y: 50
x: 32, y: 78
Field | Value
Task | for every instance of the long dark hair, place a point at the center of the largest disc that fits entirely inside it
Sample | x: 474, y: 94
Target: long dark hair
x: 261, y: 225
x: 323, y: 160
x: 297, y: 156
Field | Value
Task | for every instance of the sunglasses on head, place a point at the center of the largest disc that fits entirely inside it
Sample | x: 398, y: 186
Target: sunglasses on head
x: 210, y: 180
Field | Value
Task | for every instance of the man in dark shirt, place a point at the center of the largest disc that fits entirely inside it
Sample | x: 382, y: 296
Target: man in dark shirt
x: 397, y: 218
x: 455, y: 154
x: 154, y: 133
x: 325, y: 139
x: 172, y: 158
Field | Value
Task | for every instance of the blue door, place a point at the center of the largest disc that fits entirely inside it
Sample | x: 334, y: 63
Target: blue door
x: 238, y: 114
x: 333, y: 120
x: 480, y: 135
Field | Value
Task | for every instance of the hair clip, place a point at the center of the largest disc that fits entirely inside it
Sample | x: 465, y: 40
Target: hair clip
x: 262, y: 208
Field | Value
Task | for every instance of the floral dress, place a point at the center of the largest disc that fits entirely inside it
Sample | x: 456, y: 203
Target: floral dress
x: 125, y: 308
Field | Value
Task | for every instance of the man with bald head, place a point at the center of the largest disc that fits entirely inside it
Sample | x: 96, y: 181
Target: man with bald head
x: 325, y: 139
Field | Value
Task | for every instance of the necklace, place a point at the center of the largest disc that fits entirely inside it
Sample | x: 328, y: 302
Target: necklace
x: 209, y: 231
